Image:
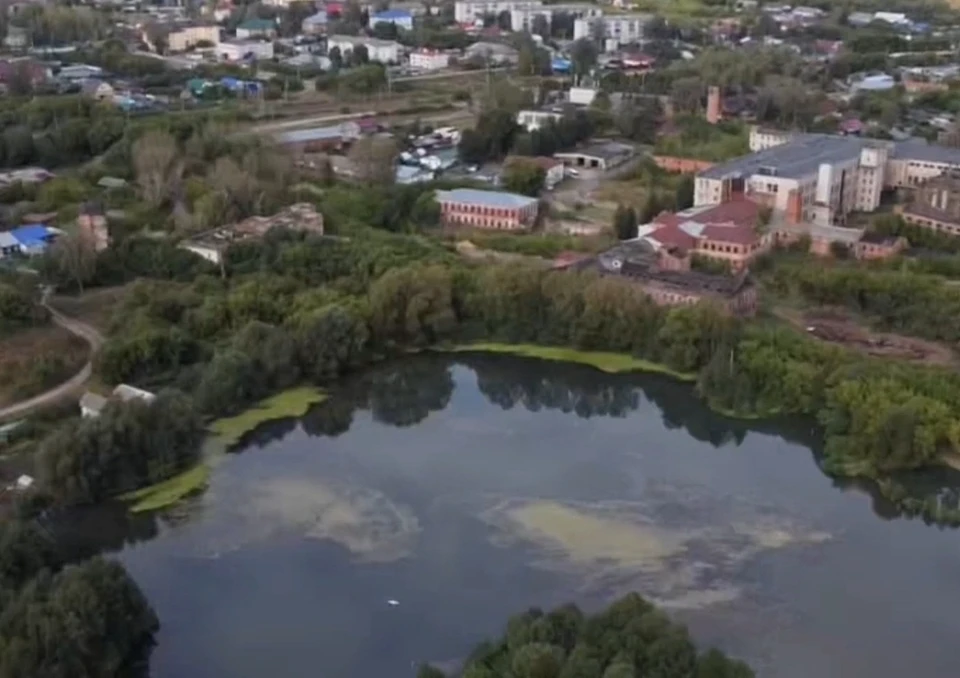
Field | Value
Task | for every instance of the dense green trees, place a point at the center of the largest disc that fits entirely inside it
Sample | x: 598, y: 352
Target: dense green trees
x: 130, y: 445
x: 86, y: 620
x: 631, y: 638
x: 17, y: 306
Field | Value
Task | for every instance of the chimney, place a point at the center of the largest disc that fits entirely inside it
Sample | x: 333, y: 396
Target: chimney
x: 714, y: 112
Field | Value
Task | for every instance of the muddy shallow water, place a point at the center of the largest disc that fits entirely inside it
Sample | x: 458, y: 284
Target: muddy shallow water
x: 470, y: 489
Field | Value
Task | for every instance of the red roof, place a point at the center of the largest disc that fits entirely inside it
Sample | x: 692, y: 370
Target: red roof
x: 731, y: 222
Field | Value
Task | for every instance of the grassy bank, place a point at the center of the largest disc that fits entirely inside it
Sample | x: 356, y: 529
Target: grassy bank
x: 169, y: 491
x: 291, y: 403
x: 612, y: 363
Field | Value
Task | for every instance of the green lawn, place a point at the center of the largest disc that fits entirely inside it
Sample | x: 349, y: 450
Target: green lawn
x: 169, y: 491
x: 612, y: 363
x: 291, y: 403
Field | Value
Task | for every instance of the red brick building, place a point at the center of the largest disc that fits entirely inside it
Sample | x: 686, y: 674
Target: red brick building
x: 727, y: 232
x: 487, y: 209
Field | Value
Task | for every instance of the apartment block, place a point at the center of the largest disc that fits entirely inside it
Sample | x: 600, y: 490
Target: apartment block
x: 614, y: 29
x: 522, y: 18
x: 468, y: 11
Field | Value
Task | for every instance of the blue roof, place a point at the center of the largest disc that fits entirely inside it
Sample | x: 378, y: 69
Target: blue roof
x: 486, y: 198
x: 393, y: 14
x: 32, y: 235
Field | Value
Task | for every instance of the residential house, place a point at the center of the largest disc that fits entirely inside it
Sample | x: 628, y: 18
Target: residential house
x: 493, y: 53
x: 429, y: 59
x: 487, y: 209
x: 33, y: 238
x: 183, y: 38
x: 873, y: 246
x: 384, y: 51
x: 96, y: 89
x: 533, y: 120
x: 397, y: 17
x: 257, y: 28
x: 9, y: 245
x: 244, y: 50
x: 92, y: 404
x: 315, y: 24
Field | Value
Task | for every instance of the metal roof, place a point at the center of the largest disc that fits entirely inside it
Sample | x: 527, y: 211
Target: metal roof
x: 486, y: 198
x: 393, y: 14
x: 32, y: 235
x: 7, y: 240
x: 917, y: 149
x: 798, y: 158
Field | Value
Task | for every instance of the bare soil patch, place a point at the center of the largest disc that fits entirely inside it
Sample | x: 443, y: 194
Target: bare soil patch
x: 36, y: 359
x: 838, y: 327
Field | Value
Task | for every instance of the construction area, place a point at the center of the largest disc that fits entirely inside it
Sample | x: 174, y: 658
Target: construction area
x: 837, y: 327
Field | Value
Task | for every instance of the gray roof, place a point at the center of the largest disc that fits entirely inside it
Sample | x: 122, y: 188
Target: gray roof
x: 917, y: 149
x: 7, y: 240
x: 486, y: 198
x: 609, y: 150
x: 797, y: 158
x: 300, y: 136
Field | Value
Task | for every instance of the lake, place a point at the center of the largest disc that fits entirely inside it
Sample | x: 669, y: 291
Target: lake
x: 469, y: 489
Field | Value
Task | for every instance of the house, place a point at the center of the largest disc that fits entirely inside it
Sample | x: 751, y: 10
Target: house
x: 243, y: 50
x: 384, y: 51
x: 429, y: 59
x: 487, y: 209
x: 315, y: 24
x: 79, y: 72
x: 96, y: 89
x: 257, y: 28
x: 92, y: 404
x: 729, y: 232
x: 533, y: 120
x: 33, y: 238
x: 183, y: 38
x: 92, y: 225
x: 9, y: 245
x: 398, y: 17
x: 494, y: 53
x: 553, y: 168
x: 879, y: 82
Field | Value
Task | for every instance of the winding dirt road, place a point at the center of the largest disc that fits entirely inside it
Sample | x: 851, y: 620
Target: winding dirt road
x: 72, y: 385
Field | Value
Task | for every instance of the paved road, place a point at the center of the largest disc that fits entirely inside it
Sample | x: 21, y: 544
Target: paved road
x: 72, y: 385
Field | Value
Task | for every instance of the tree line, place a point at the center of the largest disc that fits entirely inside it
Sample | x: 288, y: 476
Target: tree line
x: 57, y: 619
x: 628, y: 639
x: 311, y: 309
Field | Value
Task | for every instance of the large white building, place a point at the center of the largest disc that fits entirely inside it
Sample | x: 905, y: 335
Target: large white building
x: 820, y: 178
x: 522, y: 18
x: 468, y: 11
x: 384, y: 51
x: 534, y: 120
x: 614, y: 29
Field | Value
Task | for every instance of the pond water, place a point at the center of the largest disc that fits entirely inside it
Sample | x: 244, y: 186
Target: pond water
x: 469, y: 489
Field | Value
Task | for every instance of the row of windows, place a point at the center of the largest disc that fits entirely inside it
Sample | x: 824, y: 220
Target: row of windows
x: 480, y: 209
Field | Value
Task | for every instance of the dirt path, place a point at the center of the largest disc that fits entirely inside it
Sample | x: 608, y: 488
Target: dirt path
x: 72, y: 385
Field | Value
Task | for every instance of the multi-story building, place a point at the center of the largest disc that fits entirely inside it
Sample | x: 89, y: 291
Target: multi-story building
x: 487, y: 209
x: 429, y: 59
x: 398, y: 17
x: 384, y: 51
x: 614, y: 29
x: 936, y: 204
x: 468, y: 11
x: 522, y: 18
